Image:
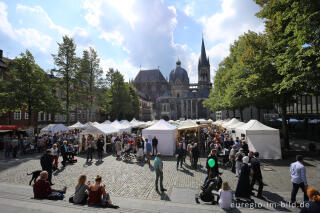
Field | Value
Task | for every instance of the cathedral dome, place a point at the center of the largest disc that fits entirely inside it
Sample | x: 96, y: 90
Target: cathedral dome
x: 179, y: 74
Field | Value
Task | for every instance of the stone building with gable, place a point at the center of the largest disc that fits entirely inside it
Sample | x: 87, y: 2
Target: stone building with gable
x: 177, y: 98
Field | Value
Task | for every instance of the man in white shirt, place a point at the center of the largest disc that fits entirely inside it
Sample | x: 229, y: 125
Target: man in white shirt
x: 298, y: 178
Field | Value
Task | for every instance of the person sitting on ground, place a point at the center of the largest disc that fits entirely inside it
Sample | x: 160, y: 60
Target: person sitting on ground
x: 98, y: 195
x: 81, y: 191
x: 225, y: 195
x: 42, y: 189
x: 313, y: 205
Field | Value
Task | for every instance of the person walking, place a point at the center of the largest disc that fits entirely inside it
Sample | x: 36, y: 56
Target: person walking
x: 100, y: 144
x: 239, y: 156
x: 158, y: 167
x: 180, y: 155
x: 46, y: 164
x: 55, y: 155
x: 64, y: 152
x: 243, y: 190
x: 148, y: 150
x: 7, y: 146
x: 232, y: 158
x: 298, y: 179
x: 257, y: 176
x: 154, y: 145
x: 195, y: 155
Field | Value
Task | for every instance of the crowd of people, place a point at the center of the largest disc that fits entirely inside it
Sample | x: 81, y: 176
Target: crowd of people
x: 213, y: 142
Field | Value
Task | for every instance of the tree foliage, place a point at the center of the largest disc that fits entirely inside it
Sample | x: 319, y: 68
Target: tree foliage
x: 28, y: 86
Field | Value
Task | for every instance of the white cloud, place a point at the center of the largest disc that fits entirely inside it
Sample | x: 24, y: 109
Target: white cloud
x: 188, y: 10
x: 224, y: 27
x: 5, y: 26
x: 33, y: 38
x: 143, y: 29
x: 27, y: 37
x: 125, y: 67
x: 39, y: 10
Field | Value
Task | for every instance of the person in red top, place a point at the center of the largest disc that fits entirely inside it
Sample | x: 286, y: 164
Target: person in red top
x: 98, y: 195
x: 42, y: 188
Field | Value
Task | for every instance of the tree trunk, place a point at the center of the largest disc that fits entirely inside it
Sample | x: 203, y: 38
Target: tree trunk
x: 241, y: 114
x: 9, y: 118
x: 234, y: 113
x: 259, y: 113
x: 67, y: 105
x: 251, y: 116
x: 227, y: 113
x: 285, y: 126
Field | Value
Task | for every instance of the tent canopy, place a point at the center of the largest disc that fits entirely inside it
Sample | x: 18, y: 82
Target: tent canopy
x: 107, y: 122
x: 261, y: 138
x: 188, y: 124
x: 100, y: 129
x: 232, y: 121
x: 122, y: 128
x: 77, y: 125
x: 54, y: 128
x: 166, y: 135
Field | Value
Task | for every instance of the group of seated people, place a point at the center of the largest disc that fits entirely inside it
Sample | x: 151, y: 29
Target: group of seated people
x: 85, y: 192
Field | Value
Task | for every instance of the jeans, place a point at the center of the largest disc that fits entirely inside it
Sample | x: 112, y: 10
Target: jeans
x: 179, y: 159
x: 295, y: 188
x: 159, y: 174
x: 253, y: 181
x: 154, y: 148
x: 89, y: 153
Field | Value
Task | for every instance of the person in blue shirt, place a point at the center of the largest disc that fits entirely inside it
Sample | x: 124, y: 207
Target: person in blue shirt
x: 298, y: 178
x: 148, y: 150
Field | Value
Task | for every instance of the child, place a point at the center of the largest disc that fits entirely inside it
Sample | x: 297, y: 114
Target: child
x: 225, y: 194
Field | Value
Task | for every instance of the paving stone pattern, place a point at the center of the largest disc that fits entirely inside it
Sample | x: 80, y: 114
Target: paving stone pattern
x: 137, y: 180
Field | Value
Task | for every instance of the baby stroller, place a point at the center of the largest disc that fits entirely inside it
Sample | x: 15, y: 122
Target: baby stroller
x: 206, y: 194
x: 127, y: 152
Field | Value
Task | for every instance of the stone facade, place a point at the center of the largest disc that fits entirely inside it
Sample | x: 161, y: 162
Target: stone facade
x: 177, y: 98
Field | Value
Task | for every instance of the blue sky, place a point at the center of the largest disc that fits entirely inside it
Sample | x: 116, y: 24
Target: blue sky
x: 128, y: 34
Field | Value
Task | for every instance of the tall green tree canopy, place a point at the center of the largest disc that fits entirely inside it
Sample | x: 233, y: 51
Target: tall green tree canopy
x: 67, y: 62
x: 28, y: 86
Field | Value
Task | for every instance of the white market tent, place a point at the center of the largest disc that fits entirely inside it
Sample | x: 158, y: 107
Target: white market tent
x: 135, y: 124
x: 95, y: 123
x: 53, y: 128
x: 232, y: 121
x: 166, y: 135
x: 100, y: 129
x: 261, y: 138
x: 120, y: 127
x: 187, y: 124
x: 77, y: 125
x: 88, y: 124
x: 216, y: 122
x: 107, y: 122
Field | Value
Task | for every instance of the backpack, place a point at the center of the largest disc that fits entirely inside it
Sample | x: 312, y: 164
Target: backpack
x: 55, y: 196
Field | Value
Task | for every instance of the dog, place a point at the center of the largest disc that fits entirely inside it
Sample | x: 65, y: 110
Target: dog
x: 35, y: 175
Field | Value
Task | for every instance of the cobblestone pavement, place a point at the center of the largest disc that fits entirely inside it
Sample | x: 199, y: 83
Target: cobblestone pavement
x: 136, y: 180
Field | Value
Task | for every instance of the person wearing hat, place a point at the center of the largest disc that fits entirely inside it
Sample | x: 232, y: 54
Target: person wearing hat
x: 46, y: 164
x: 239, y: 156
x: 243, y: 191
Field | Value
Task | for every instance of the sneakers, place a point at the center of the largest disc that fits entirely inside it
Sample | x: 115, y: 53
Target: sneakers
x: 110, y: 205
x: 64, y: 190
x: 163, y: 190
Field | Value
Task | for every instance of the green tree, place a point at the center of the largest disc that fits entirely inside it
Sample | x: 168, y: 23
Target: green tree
x: 28, y: 86
x: 292, y: 27
x: 121, y: 98
x: 67, y: 62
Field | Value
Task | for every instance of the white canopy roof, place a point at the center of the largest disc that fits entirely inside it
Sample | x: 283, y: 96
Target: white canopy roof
x: 100, y: 129
x: 135, y: 124
x: 166, y: 135
x: 188, y: 124
x: 257, y: 128
x: 88, y: 124
x: 95, y: 123
x: 107, y: 122
x: 235, y: 125
x: 53, y: 128
x: 161, y: 125
x: 261, y: 138
x: 77, y: 125
x: 120, y: 127
x: 232, y: 121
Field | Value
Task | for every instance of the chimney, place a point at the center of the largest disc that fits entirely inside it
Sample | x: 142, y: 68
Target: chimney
x: 1, y: 53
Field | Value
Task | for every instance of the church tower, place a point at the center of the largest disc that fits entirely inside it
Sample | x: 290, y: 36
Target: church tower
x: 203, y: 69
